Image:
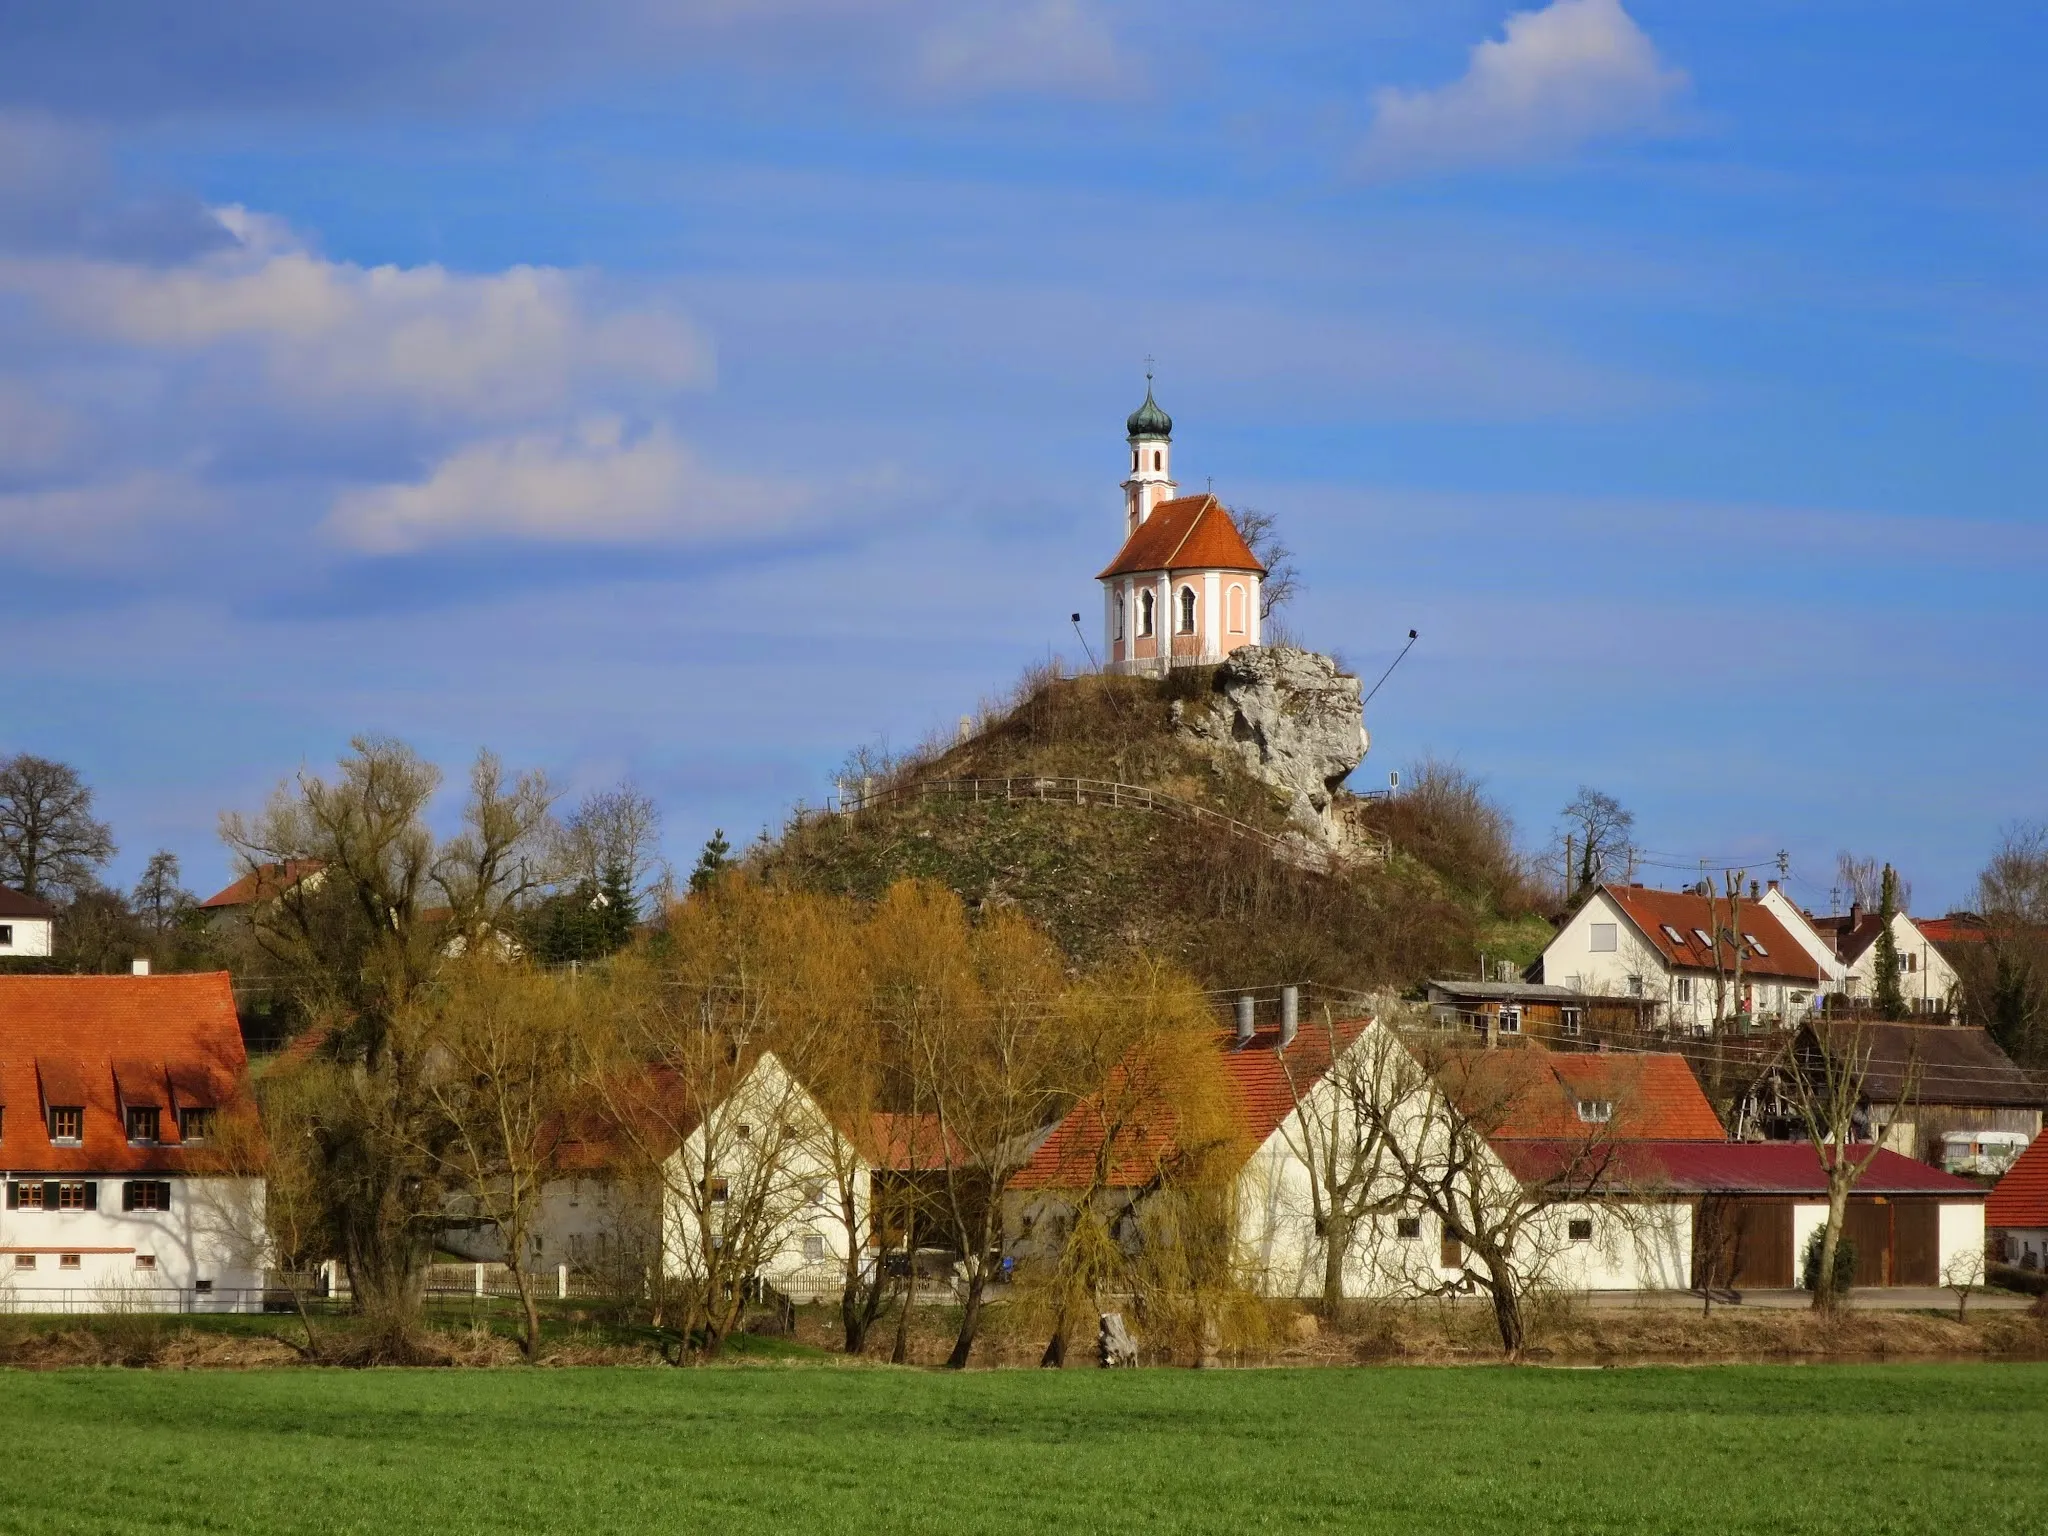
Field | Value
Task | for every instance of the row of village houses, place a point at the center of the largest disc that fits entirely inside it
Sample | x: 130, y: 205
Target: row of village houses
x: 115, y: 1092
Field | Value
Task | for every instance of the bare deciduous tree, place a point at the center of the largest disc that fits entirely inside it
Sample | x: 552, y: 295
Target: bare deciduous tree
x: 1282, y: 581
x: 1861, y: 882
x: 357, y: 943
x: 1599, y: 827
x: 508, y: 1082
x: 50, y: 843
x: 1824, y: 1073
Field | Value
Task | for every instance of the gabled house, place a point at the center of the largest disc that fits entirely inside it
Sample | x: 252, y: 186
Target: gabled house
x: 1922, y: 1085
x: 2016, y: 1212
x: 126, y: 1141
x: 1687, y: 959
x: 266, y: 883
x: 27, y: 925
x: 1926, y: 977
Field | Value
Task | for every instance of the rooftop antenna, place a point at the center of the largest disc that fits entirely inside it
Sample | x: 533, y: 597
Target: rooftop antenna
x: 1390, y: 669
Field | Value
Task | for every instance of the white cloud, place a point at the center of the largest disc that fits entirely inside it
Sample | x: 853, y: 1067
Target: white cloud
x: 594, y: 485
x: 330, y: 333
x: 1576, y: 71
x: 1059, y: 45
x: 109, y: 524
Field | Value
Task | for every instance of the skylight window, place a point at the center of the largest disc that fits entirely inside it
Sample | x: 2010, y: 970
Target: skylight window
x: 1754, y: 943
x: 1701, y: 935
x: 1673, y: 934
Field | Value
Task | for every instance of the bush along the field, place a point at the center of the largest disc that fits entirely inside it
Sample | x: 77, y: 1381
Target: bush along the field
x: 1845, y: 1263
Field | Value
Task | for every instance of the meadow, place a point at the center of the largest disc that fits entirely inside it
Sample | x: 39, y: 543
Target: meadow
x: 796, y: 1448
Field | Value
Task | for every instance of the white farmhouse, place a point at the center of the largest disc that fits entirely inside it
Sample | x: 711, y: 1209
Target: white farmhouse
x: 27, y: 925
x: 1689, y: 958
x: 1926, y: 978
x: 118, y: 1098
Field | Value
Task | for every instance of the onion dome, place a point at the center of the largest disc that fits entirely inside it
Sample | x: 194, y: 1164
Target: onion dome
x: 1148, y: 420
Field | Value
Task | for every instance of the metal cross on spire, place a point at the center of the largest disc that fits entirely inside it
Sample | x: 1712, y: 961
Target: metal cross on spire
x: 1148, y: 369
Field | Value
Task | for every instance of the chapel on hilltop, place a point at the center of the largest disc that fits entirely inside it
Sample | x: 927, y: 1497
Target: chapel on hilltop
x: 1184, y: 589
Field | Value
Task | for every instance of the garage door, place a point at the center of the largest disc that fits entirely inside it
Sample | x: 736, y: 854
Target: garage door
x: 1916, y: 1242
x: 1869, y: 1227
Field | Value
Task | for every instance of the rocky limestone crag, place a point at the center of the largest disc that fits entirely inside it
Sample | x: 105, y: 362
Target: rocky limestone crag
x: 1293, y: 720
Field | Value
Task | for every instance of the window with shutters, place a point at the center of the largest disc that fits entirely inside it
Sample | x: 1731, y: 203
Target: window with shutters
x: 67, y: 1123
x: 24, y: 1197
x: 195, y: 1124
x: 143, y: 1122
x: 146, y: 1195
x: 73, y: 1196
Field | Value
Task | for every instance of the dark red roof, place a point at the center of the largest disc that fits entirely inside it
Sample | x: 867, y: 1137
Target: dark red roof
x: 15, y: 903
x: 1790, y: 1168
x: 1262, y: 1082
x: 2020, y: 1199
x: 1190, y: 533
x: 1941, y: 1063
x: 1653, y: 1095
x: 1956, y: 928
x: 1652, y: 910
x: 262, y: 884
x: 1848, y: 935
x: 79, y: 1041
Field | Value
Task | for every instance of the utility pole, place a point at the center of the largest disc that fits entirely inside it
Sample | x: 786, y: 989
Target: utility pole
x: 1567, y: 866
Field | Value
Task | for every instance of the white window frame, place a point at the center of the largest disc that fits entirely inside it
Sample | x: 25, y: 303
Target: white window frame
x: 1510, y: 1021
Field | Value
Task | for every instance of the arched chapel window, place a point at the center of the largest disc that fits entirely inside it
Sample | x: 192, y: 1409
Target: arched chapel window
x: 1236, y: 609
x: 1144, y: 613
x: 1187, y: 610
x: 1158, y: 459
x: 1119, y: 616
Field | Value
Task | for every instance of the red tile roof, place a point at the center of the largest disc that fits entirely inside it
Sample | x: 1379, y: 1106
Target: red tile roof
x: 902, y: 1143
x: 1726, y: 1168
x: 67, y: 1041
x: 1651, y: 910
x: 262, y: 884
x: 15, y: 903
x: 1956, y: 928
x: 1654, y: 1096
x: 1262, y: 1082
x: 2020, y: 1199
x: 1190, y: 533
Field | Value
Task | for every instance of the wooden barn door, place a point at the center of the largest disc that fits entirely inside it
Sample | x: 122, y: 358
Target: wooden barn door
x: 1744, y: 1245
x: 1869, y: 1227
x: 1916, y: 1242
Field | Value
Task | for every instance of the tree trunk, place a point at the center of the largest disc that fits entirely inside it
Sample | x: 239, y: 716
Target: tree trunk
x: 970, y: 1321
x: 1336, y: 1249
x: 1055, y: 1354
x: 529, y: 1342
x: 1507, y: 1312
x: 1824, y: 1297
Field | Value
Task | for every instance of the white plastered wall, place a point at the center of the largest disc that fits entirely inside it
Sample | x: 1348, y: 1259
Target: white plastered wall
x: 212, y: 1232
x: 27, y: 936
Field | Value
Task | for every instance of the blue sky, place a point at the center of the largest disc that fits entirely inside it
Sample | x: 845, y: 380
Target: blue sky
x: 691, y: 391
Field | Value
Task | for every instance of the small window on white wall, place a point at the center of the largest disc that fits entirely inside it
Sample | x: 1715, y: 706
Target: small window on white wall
x: 1606, y: 937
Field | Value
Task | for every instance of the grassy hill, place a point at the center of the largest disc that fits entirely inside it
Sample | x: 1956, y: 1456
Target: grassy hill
x: 1220, y: 902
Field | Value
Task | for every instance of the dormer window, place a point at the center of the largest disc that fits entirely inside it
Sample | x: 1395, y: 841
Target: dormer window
x: 144, y: 1122
x: 195, y: 1124
x: 1596, y: 1111
x: 67, y: 1124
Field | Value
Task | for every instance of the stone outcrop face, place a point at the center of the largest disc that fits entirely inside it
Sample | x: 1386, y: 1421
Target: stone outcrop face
x: 1290, y: 717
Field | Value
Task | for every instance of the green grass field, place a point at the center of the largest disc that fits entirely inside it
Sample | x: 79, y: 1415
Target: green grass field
x: 795, y: 1449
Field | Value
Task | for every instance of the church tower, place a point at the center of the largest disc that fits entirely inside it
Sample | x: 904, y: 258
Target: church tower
x: 1184, y: 589
x: 1149, y: 430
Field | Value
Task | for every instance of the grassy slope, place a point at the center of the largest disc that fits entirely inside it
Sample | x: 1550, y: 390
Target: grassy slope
x: 1101, y: 879
x: 1868, y: 1449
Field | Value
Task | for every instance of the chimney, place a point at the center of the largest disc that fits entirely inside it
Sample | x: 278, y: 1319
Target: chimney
x: 1244, y: 1019
x: 1773, y: 887
x: 138, y: 967
x: 1755, y: 890
x: 1290, y: 1015
x: 1855, y: 913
